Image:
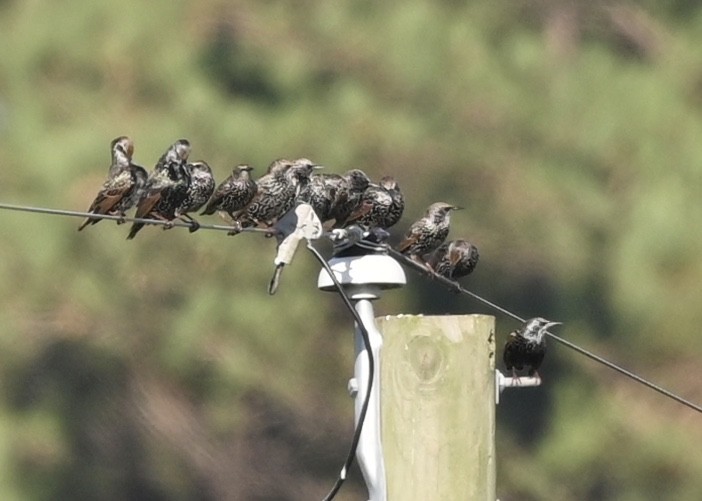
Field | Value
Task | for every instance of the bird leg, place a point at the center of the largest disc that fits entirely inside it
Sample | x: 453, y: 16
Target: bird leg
x: 187, y: 218
x: 517, y: 379
x: 121, y: 215
x: 237, y: 228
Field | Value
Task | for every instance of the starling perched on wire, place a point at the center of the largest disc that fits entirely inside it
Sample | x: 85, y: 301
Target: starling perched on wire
x: 347, y: 192
x: 526, y: 346
x: 234, y: 193
x: 273, y: 189
x: 381, y: 206
x: 166, y: 186
x: 454, y: 259
x: 429, y: 232
x: 200, y: 189
x: 123, y: 185
x: 319, y: 194
x: 300, y: 173
x: 276, y: 192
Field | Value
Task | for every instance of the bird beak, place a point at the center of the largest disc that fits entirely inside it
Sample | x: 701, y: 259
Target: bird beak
x: 456, y: 208
x: 551, y: 324
x: 317, y: 167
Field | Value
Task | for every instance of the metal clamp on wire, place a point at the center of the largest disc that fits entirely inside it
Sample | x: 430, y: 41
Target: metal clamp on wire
x: 347, y: 240
x: 298, y: 224
x: 502, y: 382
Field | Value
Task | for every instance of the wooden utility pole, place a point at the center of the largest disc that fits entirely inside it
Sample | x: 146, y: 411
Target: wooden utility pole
x: 437, y: 391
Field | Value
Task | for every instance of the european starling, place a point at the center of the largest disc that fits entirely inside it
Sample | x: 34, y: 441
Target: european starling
x: 454, y: 259
x: 200, y: 189
x: 381, y: 206
x: 166, y: 186
x: 526, y: 346
x: 234, y: 193
x: 276, y: 192
x: 300, y: 173
x: 429, y: 232
x: 123, y: 185
x: 348, y: 192
x: 273, y: 192
x: 318, y: 194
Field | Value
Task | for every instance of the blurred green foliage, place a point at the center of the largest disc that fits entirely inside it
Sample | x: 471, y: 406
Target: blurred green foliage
x: 160, y: 369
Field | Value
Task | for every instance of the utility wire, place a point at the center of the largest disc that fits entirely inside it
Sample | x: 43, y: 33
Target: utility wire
x: 449, y: 284
x: 62, y: 212
x: 456, y: 287
x: 371, y: 370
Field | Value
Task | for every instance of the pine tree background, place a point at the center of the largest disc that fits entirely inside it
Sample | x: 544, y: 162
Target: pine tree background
x: 160, y: 369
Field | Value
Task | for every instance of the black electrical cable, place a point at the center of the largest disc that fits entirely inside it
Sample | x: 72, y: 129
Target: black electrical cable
x: 371, y: 372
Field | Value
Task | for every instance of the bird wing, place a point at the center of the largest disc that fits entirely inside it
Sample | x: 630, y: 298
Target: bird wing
x: 364, y: 208
x: 454, y: 256
x: 147, y: 204
x: 113, y: 190
x: 217, y: 197
x: 510, y: 355
x: 410, y: 239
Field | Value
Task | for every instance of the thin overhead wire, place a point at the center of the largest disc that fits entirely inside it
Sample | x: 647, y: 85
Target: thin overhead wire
x: 73, y: 213
x: 449, y: 284
x: 456, y: 287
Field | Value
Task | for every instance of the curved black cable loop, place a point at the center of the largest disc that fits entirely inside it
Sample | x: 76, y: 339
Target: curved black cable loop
x: 371, y: 371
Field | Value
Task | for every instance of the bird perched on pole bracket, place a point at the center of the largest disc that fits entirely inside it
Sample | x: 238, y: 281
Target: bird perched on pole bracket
x: 526, y: 347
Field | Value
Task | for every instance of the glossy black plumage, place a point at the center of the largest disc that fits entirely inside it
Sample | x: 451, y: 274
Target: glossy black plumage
x: 234, y: 193
x: 526, y: 346
x: 429, y: 232
x: 454, y: 259
x: 166, y: 187
x: 123, y: 185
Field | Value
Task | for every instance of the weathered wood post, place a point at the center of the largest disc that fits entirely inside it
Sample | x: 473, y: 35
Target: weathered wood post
x: 438, y: 407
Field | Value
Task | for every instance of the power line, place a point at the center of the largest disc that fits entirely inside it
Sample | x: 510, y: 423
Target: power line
x: 73, y: 213
x: 449, y: 284
x: 456, y: 287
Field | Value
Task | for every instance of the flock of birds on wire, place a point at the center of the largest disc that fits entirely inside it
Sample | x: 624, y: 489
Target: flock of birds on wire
x: 176, y: 188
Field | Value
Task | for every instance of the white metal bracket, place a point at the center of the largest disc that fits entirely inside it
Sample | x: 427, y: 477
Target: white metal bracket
x: 502, y: 382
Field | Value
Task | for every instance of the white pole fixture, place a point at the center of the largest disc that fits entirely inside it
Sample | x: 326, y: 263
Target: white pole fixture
x: 364, y: 278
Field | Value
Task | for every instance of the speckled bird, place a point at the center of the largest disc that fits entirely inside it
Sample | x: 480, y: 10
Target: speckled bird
x: 166, y: 186
x: 454, y: 259
x: 200, y: 189
x: 273, y: 190
x: 234, y: 193
x: 123, y: 186
x: 429, y: 232
x: 381, y: 206
x: 348, y: 192
x: 319, y: 194
x: 526, y: 346
x: 276, y: 192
